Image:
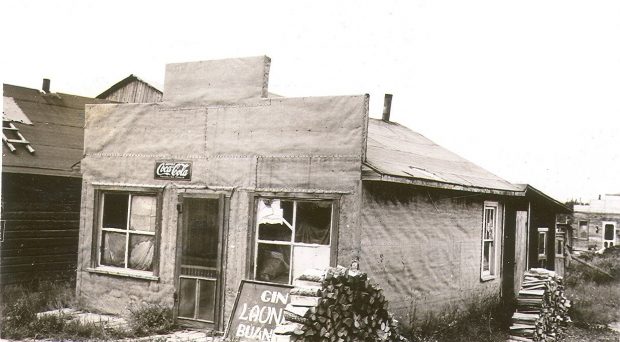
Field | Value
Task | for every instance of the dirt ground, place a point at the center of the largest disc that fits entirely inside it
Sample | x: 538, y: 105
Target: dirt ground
x: 577, y: 334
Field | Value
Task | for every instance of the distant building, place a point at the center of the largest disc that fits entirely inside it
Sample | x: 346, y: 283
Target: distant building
x: 43, y: 142
x: 596, y: 225
x: 132, y: 90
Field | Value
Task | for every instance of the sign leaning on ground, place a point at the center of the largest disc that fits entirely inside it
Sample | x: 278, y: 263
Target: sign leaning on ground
x: 258, y: 309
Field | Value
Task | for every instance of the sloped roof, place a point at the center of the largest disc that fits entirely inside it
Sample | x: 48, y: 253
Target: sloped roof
x: 532, y: 192
x: 125, y: 81
x: 56, y: 133
x: 396, y: 153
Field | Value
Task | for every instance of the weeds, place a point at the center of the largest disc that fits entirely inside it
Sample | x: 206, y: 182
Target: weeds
x: 480, y: 318
x: 595, y: 297
x: 149, y: 319
x: 19, y: 319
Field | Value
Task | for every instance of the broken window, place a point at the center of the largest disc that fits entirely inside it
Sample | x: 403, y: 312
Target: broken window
x: 583, y: 230
x: 127, y: 230
x: 292, y: 236
x: 490, y: 223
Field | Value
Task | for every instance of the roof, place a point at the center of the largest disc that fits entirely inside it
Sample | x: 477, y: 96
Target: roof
x: 125, y: 81
x: 536, y: 194
x: 397, y: 154
x: 608, y: 204
x: 56, y: 133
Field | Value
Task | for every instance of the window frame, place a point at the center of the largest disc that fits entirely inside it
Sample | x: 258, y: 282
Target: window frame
x: 587, y: 225
x: 253, y: 241
x: 97, y: 232
x: 492, y: 273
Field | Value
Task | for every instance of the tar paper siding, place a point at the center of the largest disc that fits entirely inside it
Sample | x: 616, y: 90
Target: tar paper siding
x: 41, y: 221
x: 270, y: 147
x: 423, y: 246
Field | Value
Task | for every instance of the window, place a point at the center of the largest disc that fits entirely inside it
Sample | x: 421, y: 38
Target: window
x: 542, y: 247
x: 583, y: 230
x: 559, y: 247
x: 291, y: 236
x: 489, y: 235
x: 126, y: 230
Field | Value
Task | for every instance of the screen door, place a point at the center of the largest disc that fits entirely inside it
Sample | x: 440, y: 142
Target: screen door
x: 199, y: 270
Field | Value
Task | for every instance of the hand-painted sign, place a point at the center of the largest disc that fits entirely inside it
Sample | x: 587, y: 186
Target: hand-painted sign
x: 173, y: 170
x: 258, y: 309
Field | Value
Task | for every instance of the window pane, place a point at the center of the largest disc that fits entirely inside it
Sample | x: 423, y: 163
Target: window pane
x: 143, y: 213
x: 187, y: 298
x: 141, y: 249
x: 583, y: 229
x: 313, y: 222
x: 115, y: 210
x: 269, y: 211
x: 206, y: 305
x: 201, y: 237
x: 609, y: 232
x: 113, y: 249
x: 487, y: 250
x: 273, y: 263
x: 541, y: 243
x: 274, y: 232
x: 306, y: 257
x: 287, y: 208
x: 489, y: 226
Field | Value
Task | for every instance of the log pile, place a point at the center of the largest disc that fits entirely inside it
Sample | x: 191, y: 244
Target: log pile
x: 336, y: 305
x: 542, y: 308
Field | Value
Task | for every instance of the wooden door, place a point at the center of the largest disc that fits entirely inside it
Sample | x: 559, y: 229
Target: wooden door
x: 520, y: 248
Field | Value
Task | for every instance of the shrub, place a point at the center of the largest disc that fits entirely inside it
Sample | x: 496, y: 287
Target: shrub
x: 149, y: 319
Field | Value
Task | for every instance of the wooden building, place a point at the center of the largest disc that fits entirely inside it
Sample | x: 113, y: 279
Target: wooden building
x: 41, y: 183
x: 596, y: 225
x: 533, y: 239
x: 221, y: 182
x: 131, y: 89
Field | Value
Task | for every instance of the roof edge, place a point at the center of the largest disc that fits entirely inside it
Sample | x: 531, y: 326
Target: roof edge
x: 379, y: 176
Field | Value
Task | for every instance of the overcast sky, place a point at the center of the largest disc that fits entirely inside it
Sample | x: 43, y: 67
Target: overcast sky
x: 529, y: 90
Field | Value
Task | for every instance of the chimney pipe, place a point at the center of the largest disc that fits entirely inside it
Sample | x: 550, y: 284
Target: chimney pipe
x: 387, y: 106
x: 46, y: 85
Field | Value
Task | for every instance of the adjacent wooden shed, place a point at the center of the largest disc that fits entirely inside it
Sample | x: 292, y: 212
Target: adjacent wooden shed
x: 131, y: 89
x: 220, y: 182
x: 41, y: 183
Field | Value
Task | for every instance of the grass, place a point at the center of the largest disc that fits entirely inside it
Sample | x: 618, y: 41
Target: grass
x: 481, y: 318
x: 595, y: 296
x: 19, y: 319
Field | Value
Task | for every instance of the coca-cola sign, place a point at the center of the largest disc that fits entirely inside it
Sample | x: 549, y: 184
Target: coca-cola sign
x: 173, y: 170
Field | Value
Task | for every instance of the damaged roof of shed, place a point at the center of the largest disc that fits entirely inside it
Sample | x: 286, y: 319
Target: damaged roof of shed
x: 56, y: 132
x: 532, y: 192
x: 397, y: 154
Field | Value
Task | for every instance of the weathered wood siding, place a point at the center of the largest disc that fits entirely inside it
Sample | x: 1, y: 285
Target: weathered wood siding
x: 41, y: 215
x: 135, y: 92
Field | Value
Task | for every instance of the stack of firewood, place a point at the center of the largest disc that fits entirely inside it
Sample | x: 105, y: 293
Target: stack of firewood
x: 336, y: 304
x: 542, y: 308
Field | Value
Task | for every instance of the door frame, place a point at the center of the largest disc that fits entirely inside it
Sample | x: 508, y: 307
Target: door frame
x: 615, y: 232
x: 223, y: 203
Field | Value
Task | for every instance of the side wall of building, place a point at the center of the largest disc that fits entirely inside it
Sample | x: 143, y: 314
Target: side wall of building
x: 40, y: 215
x: 423, y: 247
